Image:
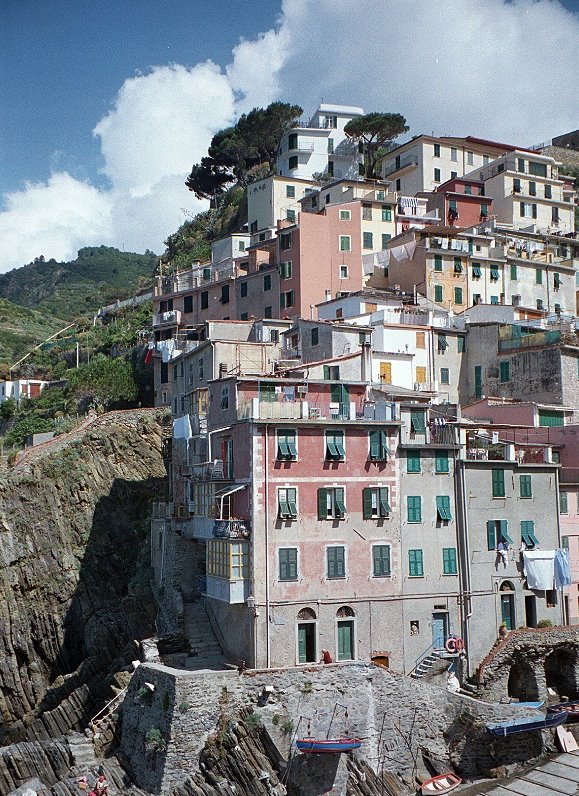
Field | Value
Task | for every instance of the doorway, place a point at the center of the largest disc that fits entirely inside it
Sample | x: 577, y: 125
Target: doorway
x: 307, y: 652
x: 530, y: 611
x: 439, y: 630
x: 345, y: 639
x: 508, y: 610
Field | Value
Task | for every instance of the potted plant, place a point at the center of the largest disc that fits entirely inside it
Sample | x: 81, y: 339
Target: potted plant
x: 503, y: 632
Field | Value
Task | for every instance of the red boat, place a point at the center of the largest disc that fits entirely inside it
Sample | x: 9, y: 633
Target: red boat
x: 326, y: 746
x: 441, y: 783
x: 570, y: 708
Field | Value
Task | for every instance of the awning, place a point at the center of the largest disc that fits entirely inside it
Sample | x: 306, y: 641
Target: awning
x: 221, y: 493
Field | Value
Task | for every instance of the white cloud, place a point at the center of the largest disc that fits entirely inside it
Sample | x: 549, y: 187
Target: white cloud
x: 491, y: 68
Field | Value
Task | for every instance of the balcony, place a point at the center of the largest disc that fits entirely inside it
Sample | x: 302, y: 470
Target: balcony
x: 479, y: 450
x: 445, y: 436
x: 405, y: 163
x: 171, y: 318
x: 308, y: 410
x: 231, y: 529
x: 301, y: 147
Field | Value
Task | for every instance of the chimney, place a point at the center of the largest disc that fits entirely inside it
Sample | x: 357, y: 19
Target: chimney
x: 366, y: 365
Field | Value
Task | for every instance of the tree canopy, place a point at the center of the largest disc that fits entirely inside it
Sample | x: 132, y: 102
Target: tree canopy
x: 375, y: 130
x: 236, y: 150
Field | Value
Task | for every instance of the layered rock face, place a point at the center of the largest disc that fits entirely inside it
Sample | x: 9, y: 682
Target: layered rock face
x: 74, y: 570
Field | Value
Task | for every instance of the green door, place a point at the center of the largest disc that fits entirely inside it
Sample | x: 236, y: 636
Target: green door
x: 477, y: 381
x: 508, y: 610
x: 346, y: 640
x: 302, y: 643
x: 307, y: 642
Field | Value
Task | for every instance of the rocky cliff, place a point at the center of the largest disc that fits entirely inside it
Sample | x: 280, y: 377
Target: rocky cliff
x: 74, y: 580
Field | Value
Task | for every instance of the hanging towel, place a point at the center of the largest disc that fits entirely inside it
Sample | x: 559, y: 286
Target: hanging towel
x: 182, y: 428
x: 383, y: 257
x: 398, y: 252
x: 562, y: 569
x: 539, y: 569
x: 368, y: 263
x: 410, y: 248
x: 149, y: 356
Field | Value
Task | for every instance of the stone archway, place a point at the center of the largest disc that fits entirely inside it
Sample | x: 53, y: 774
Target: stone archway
x: 562, y: 672
x: 522, y: 683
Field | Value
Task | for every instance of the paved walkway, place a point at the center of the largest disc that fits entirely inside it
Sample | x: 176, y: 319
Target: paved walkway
x: 559, y: 776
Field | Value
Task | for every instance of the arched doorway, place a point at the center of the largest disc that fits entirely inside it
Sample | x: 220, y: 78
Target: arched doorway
x: 345, y: 632
x: 507, y: 597
x: 307, y: 651
x: 522, y: 684
x: 560, y: 672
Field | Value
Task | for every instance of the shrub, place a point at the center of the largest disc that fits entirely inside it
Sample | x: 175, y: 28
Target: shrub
x: 253, y: 721
x: 184, y: 707
x: 154, y: 739
x: 544, y: 623
x: 287, y: 726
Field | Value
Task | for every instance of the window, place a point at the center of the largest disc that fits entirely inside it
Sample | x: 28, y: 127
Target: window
x: 516, y: 185
x: 458, y: 295
x: 528, y: 210
x: 528, y: 533
x: 539, y: 304
x: 438, y: 293
x: 417, y: 422
x: 563, y: 503
x: 398, y: 185
x: 292, y: 141
x: 330, y: 146
x: 484, y: 212
x: 538, y: 276
x: 336, y: 562
x: 164, y: 372
x: 204, y: 299
x: 476, y: 271
x: 367, y: 239
x: 414, y: 508
x: 550, y: 418
x: 460, y: 345
x: 375, y: 503
x: 468, y: 190
x: 331, y: 168
x: 267, y: 312
x: 381, y: 560
x: 494, y: 299
x: 227, y: 559
x: 366, y: 212
x: 290, y: 191
x: 521, y: 165
x: 558, y: 309
x: 452, y: 209
x: 331, y: 372
x: 436, y: 175
x: 438, y: 262
x: 314, y: 335
x: 514, y: 275
x: 442, y: 343
x: 200, y: 371
x: 331, y: 503
x: 444, y: 375
x: 287, y: 504
x: 243, y: 289
x: 486, y: 159
x: 454, y: 154
x: 244, y: 316
x: 386, y: 213
x: 548, y: 192
x: 420, y: 375
x: 385, y: 239
x: 379, y: 451
x: 188, y: 304
x: 532, y: 189
x: 290, y: 215
x: 415, y: 564
x: 335, y: 446
x: 224, y: 294
x: 470, y: 158
x: 343, y: 272
x: 345, y: 243
x: 556, y: 281
x: 413, y: 461
x: 453, y: 175
x: 285, y: 240
x: 497, y: 532
x: 286, y: 299
x: 331, y: 122
x: 345, y: 215
x: 457, y: 265
x: 494, y: 273
x: 537, y: 169
x: 420, y: 339
x: 380, y: 196
x: 292, y: 162
x: 288, y: 563
x: 449, y: 565
x: 441, y: 462
x: 505, y: 371
x: 443, y: 513
x: 551, y: 598
x: 436, y: 150
x: 267, y: 282
x: 498, y: 482
x: 285, y: 269
x: 286, y: 445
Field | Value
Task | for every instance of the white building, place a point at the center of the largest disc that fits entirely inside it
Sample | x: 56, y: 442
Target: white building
x: 21, y: 388
x: 320, y: 146
x: 271, y: 200
x: 229, y: 248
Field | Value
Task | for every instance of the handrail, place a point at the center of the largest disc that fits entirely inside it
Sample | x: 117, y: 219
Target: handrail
x: 420, y: 658
x: 106, y: 707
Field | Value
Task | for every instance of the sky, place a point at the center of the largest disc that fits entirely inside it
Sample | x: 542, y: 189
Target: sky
x: 106, y: 105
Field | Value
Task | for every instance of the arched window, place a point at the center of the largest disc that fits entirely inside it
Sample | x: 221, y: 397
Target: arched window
x: 506, y: 585
x: 344, y: 612
x: 306, y: 613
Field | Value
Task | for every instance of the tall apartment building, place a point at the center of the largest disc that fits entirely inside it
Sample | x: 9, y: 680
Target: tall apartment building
x: 320, y: 146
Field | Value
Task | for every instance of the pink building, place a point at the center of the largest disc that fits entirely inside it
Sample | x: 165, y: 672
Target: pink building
x: 461, y: 202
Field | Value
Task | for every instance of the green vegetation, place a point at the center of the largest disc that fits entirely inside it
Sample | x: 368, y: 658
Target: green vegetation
x: 154, y: 739
x: 375, y: 131
x: 104, y: 382
x: 253, y: 721
x: 22, y: 328
x: 544, y: 623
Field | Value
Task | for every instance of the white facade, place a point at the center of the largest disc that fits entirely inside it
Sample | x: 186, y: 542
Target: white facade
x: 320, y: 146
x: 426, y: 162
x: 21, y: 388
x: 274, y: 199
x: 229, y: 248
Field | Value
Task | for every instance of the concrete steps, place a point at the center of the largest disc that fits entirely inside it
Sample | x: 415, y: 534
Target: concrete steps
x: 204, y: 649
x: 425, y: 666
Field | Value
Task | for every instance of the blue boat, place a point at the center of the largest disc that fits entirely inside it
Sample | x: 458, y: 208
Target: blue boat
x: 527, y: 724
x: 570, y: 708
x: 327, y: 745
x: 535, y: 705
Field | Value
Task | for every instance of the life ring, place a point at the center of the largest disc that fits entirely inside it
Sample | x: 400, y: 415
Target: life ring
x: 454, y: 644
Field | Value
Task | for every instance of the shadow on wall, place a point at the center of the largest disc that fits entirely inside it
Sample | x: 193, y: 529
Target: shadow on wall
x: 112, y: 605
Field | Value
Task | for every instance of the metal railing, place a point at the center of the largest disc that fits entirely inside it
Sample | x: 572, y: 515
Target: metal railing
x: 231, y: 529
x: 409, y: 160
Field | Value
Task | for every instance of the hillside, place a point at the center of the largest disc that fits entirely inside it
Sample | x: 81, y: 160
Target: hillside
x: 98, y: 276
x: 21, y: 328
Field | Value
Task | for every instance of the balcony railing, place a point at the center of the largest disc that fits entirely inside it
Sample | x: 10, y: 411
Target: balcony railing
x: 310, y: 410
x: 169, y: 318
x: 438, y: 435
x: 409, y: 160
x: 231, y: 529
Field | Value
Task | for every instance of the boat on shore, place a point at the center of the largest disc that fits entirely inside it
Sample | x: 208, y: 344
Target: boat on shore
x: 317, y: 746
x: 441, y: 783
x: 570, y: 708
x: 527, y: 724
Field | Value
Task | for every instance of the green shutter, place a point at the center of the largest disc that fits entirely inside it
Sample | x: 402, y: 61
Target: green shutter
x: 458, y: 295
x: 381, y: 560
x: 563, y: 503
x: 340, y: 506
x: 449, y: 566
x: 292, y: 503
x: 414, y: 508
x: 438, y: 293
x: 457, y: 265
x: 525, y: 486
x: 476, y: 271
x: 415, y: 563
x: 412, y: 461
x: 503, y: 531
x: 367, y: 503
x: 417, y: 422
x: 291, y: 446
x: 498, y: 481
x: 383, y: 505
x: 378, y: 447
x: 282, y: 448
x: 283, y: 511
x: 322, y: 504
x: 438, y: 262
x: 443, y: 508
x: 494, y: 273
x: 514, y: 275
x: 288, y: 563
x: 491, y: 535
x: 336, y: 562
x: 528, y: 533
x: 441, y: 462
x: 549, y: 418
x: 505, y: 371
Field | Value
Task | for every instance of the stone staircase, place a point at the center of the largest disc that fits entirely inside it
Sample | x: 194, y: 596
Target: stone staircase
x: 204, y: 649
x: 84, y: 759
x: 425, y: 666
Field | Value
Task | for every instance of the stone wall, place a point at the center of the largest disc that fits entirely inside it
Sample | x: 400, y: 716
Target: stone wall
x: 528, y: 661
x: 399, y: 720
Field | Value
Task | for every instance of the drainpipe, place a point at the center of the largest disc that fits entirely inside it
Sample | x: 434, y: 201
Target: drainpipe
x: 463, y: 551
x: 266, y: 518
x: 561, y: 590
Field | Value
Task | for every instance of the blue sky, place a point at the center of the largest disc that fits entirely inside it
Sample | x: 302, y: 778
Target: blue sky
x: 106, y: 104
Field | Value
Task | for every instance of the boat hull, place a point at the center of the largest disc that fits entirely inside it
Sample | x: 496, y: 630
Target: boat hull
x: 570, y: 708
x: 516, y: 726
x: 327, y: 746
x: 441, y: 783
